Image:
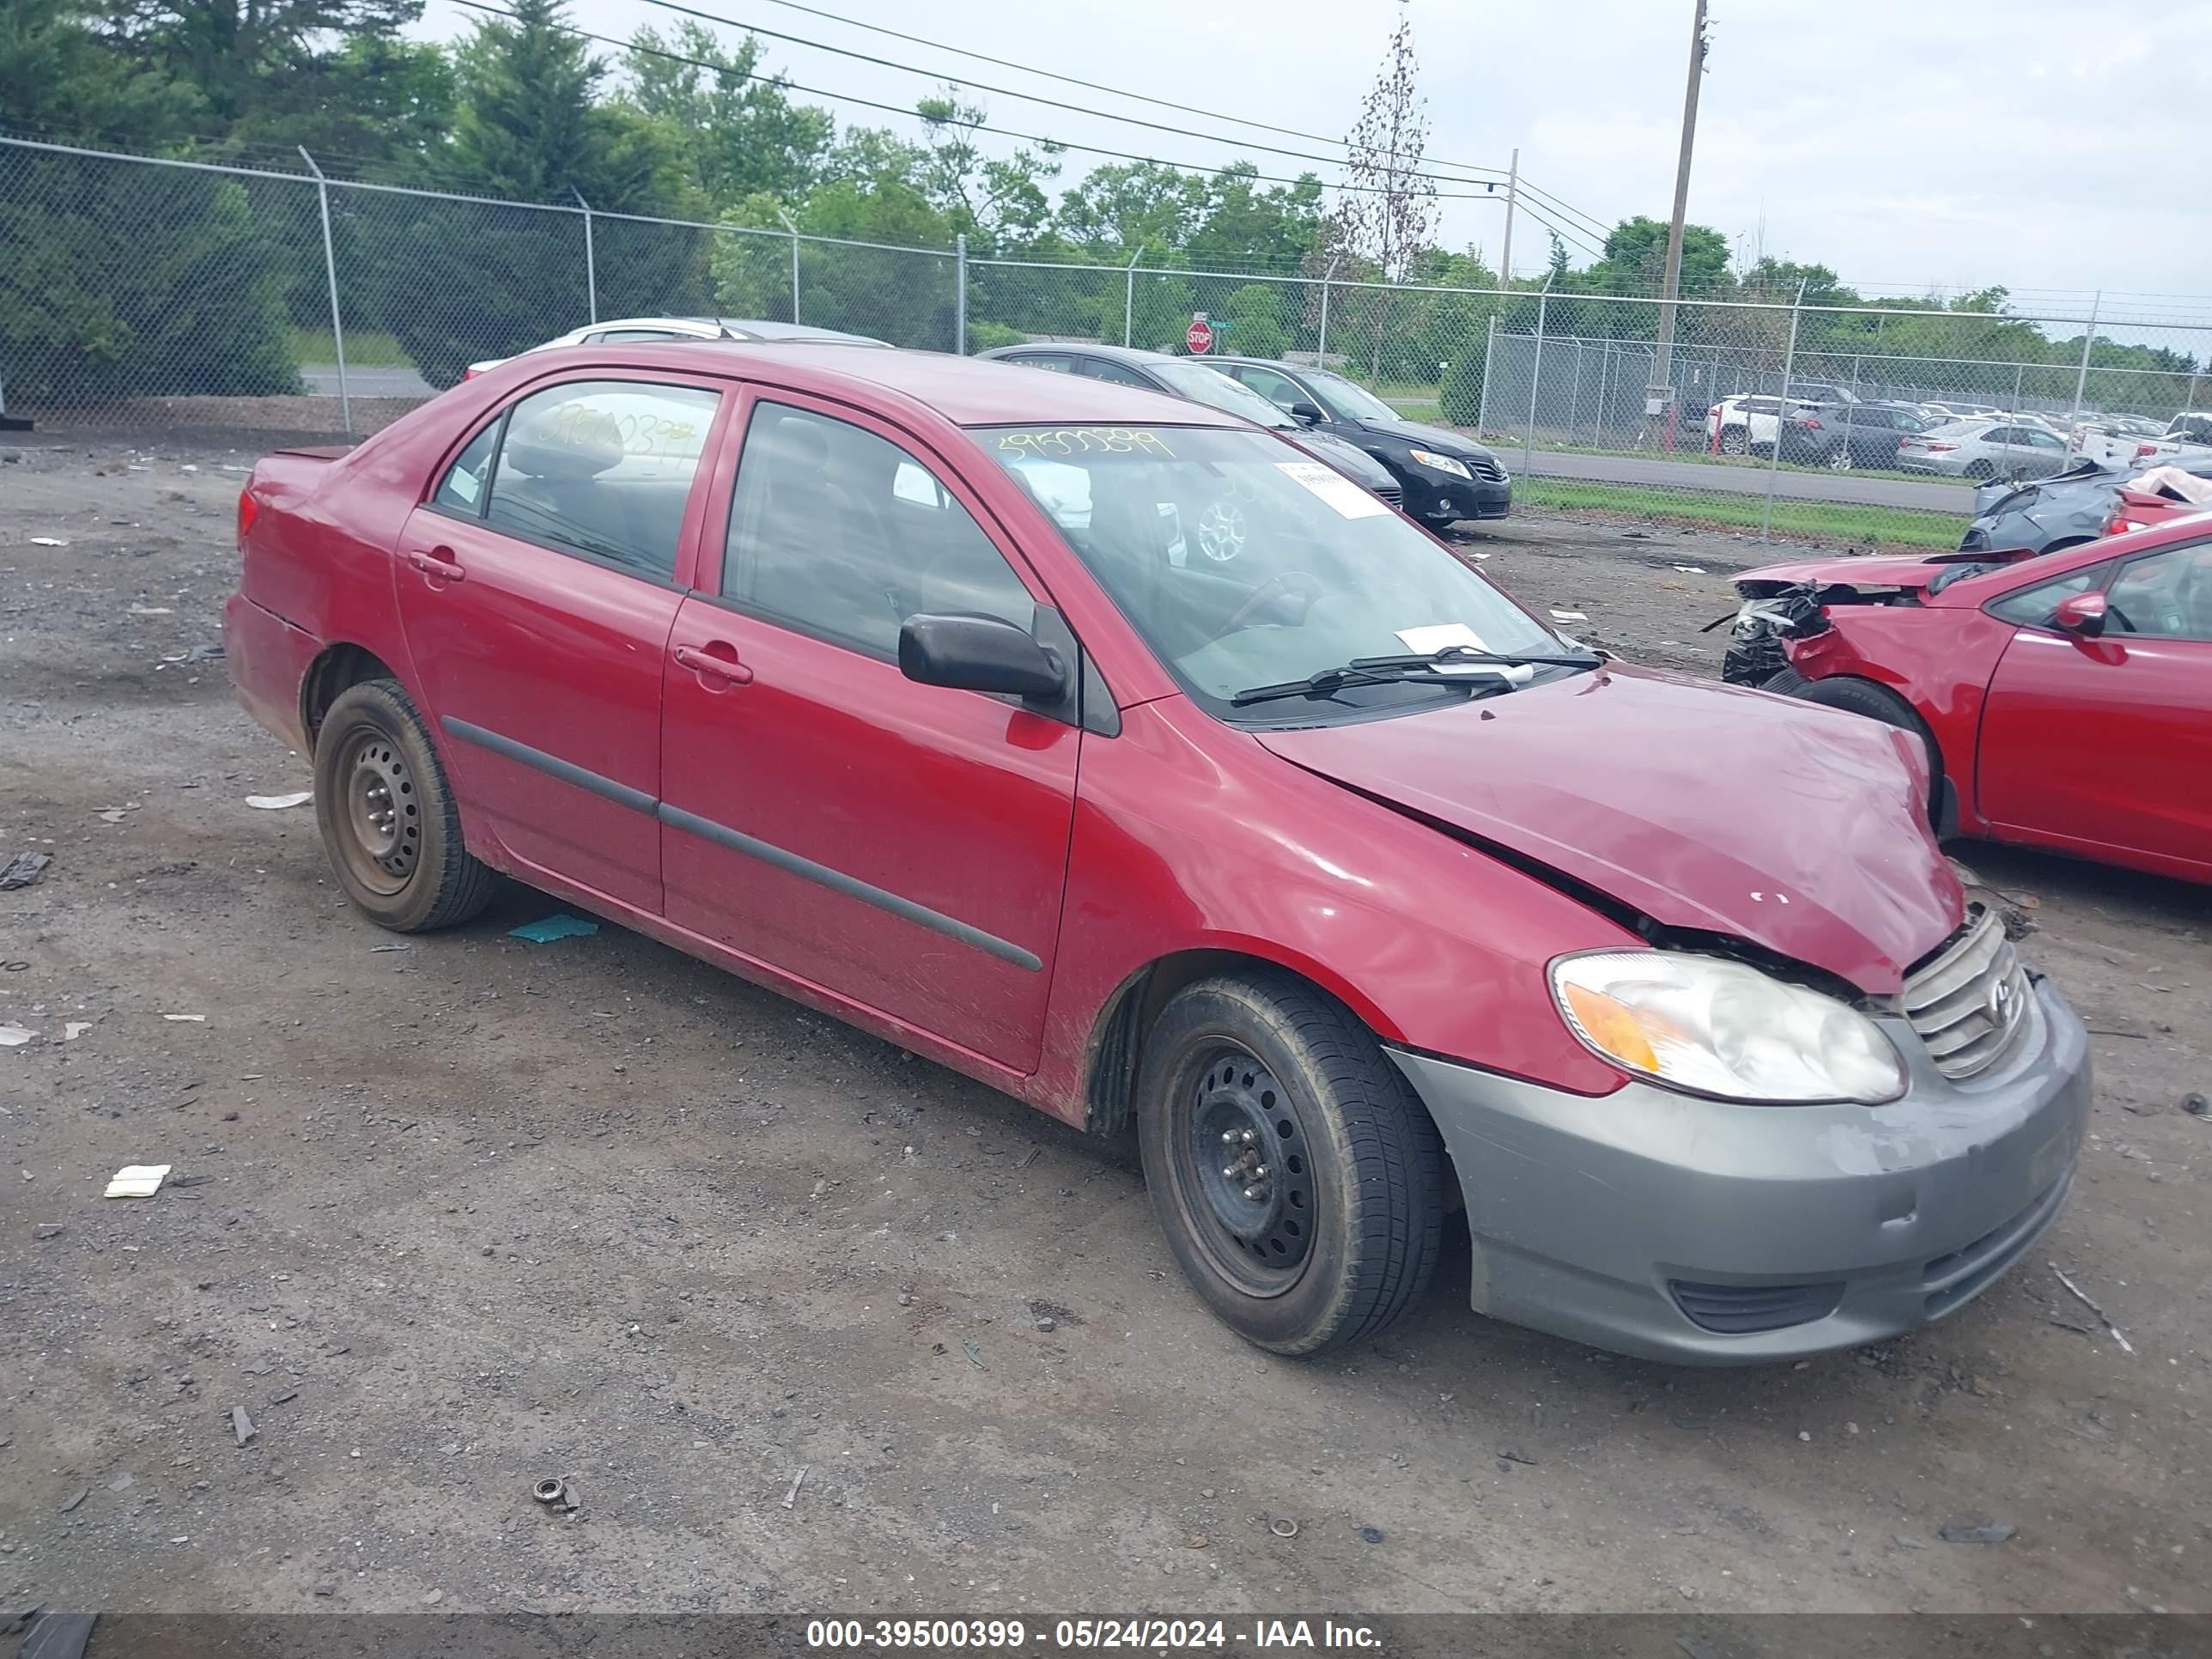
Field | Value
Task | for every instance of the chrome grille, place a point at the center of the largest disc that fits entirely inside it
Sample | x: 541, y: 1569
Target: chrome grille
x: 1483, y: 467
x: 1969, y: 1002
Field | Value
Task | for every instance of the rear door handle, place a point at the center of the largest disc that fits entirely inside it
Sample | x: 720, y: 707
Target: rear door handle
x: 717, y: 658
x: 439, y: 564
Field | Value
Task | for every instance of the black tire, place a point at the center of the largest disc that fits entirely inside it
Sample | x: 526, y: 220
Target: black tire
x: 387, y: 815
x: 1980, y: 471
x: 1284, y: 1086
x: 1877, y: 702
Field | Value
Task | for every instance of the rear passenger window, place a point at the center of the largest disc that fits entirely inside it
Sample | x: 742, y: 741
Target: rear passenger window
x: 603, y: 469
x: 462, y: 489
x: 842, y: 535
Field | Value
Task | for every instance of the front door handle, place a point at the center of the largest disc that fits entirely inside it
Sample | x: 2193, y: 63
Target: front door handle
x: 439, y: 564
x: 716, y: 659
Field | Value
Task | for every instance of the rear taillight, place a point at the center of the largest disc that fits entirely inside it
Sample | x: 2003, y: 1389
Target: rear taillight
x: 2143, y: 450
x: 248, y: 510
x: 1939, y: 447
x: 2122, y: 526
x: 471, y: 373
x: 1809, y: 424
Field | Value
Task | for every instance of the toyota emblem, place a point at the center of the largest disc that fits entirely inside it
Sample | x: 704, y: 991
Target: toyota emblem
x: 2001, y: 1002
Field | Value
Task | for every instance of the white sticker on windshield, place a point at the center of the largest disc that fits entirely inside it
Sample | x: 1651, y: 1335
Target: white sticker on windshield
x: 1441, y: 636
x: 1349, y: 500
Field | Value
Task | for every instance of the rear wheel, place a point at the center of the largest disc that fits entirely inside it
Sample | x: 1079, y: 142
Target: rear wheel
x: 388, y: 819
x: 1735, y: 441
x: 1877, y: 702
x: 1841, y: 461
x: 1980, y: 471
x: 1299, y: 1181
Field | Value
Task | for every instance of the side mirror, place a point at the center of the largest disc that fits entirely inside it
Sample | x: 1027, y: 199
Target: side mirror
x: 1309, y: 412
x: 2080, y: 613
x: 978, y: 653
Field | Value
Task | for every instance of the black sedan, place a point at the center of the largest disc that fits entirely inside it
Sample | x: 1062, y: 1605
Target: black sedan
x: 1193, y: 378
x: 1446, y: 477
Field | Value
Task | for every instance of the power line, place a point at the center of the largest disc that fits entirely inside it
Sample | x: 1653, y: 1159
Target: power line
x: 978, y: 126
x: 1564, y: 208
x: 1027, y: 97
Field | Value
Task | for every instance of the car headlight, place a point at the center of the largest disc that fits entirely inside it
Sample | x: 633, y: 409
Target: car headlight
x: 1710, y: 1026
x: 1443, y: 463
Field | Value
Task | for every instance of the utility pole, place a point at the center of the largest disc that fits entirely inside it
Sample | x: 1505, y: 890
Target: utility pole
x: 1512, y: 194
x: 1663, y: 360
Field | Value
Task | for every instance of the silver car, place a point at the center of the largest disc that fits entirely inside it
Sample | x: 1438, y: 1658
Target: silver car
x: 1984, y: 448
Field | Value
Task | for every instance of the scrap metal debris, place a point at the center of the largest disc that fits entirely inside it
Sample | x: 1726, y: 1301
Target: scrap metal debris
x: 797, y: 1481
x: 279, y: 803
x: 1987, y: 1532
x: 15, y: 1037
x: 2081, y: 1296
x: 24, y: 870
x: 242, y: 1426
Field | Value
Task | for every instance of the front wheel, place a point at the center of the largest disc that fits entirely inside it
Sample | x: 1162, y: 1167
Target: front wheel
x: 1733, y: 441
x: 1299, y: 1181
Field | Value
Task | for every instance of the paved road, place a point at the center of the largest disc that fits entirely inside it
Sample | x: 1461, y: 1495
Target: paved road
x: 1822, y: 486
x: 322, y: 379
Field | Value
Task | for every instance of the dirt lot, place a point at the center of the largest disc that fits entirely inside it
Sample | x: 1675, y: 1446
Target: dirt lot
x: 457, y: 1216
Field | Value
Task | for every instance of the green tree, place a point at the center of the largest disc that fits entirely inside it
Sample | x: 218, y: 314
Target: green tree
x: 529, y: 128
x: 58, y: 77
x: 997, y: 202
x: 1635, y: 261
x: 736, y: 133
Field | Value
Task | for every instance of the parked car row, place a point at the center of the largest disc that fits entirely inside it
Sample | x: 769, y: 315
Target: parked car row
x: 874, y: 676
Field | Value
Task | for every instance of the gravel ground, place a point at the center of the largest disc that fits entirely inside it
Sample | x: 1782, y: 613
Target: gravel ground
x: 452, y: 1216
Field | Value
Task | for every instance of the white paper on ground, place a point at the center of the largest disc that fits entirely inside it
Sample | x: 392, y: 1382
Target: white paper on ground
x: 48, y: 541
x: 137, y: 1180
x: 196, y: 1019
x: 1570, y: 616
x: 279, y: 803
x: 1349, y: 500
x: 74, y: 1029
x: 15, y: 1037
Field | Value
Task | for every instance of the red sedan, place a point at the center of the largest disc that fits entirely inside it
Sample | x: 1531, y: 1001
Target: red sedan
x: 2065, y: 700
x: 905, y: 684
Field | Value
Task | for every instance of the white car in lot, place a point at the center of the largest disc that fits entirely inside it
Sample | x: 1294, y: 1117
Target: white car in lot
x: 1746, y: 425
x: 2111, y: 444
x: 632, y: 331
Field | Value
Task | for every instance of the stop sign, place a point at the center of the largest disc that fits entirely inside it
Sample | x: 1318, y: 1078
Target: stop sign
x: 1198, y: 337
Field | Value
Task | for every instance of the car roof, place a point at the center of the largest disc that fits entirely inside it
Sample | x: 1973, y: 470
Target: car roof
x: 758, y: 328
x: 1090, y: 348
x: 966, y: 391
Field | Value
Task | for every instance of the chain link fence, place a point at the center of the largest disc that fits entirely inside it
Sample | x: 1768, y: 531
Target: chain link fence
x: 137, y: 294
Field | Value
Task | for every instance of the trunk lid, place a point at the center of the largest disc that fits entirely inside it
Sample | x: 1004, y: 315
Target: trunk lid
x: 1705, y: 807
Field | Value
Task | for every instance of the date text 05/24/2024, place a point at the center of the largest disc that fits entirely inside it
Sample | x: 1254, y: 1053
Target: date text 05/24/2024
x: 1129, y: 1634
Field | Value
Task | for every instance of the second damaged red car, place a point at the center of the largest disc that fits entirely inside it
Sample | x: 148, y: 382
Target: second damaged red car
x: 903, y: 684
x: 2063, y: 702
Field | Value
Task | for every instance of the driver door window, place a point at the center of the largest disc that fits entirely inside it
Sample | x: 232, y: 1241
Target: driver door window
x: 2166, y: 596
x: 1275, y: 388
x: 840, y: 534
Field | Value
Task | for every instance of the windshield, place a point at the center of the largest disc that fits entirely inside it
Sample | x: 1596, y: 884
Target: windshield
x: 1211, y: 386
x: 1350, y: 399
x: 1243, y: 564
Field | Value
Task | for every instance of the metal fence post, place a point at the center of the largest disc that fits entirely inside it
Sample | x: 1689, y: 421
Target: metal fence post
x: 591, y: 265
x: 1535, y: 374
x: 1321, y: 348
x: 1575, y: 396
x: 960, y: 295
x: 1780, y: 416
x: 792, y: 225
x: 1129, y: 296
x: 330, y: 270
x: 1604, y: 381
x: 2088, y: 339
x: 1482, y: 397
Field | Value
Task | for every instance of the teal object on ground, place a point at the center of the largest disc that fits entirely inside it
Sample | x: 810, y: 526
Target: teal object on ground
x: 553, y: 928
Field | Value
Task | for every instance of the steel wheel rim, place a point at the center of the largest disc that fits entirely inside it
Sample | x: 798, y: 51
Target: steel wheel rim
x: 1247, y: 1167
x: 378, y: 813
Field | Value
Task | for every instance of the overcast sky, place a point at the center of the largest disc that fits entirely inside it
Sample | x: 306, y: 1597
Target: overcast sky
x: 2053, y: 147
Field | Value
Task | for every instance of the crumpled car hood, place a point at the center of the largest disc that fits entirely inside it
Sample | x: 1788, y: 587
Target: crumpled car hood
x: 1705, y: 807
x: 1906, y: 572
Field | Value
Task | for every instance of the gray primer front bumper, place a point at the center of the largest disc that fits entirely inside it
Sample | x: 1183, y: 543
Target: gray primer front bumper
x: 1583, y: 1209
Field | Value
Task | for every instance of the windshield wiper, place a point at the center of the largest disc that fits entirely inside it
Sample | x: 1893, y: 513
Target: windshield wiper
x: 1410, y: 669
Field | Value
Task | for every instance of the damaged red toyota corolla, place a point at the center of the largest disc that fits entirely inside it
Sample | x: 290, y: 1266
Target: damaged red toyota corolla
x: 921, y: 691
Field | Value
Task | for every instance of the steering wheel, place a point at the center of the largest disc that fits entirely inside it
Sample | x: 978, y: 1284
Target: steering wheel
x: 1282, y: 583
